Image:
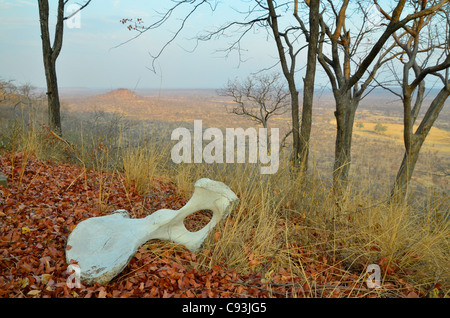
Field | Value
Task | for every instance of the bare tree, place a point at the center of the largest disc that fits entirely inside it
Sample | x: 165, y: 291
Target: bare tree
x: 312, y: 37
x: 281, y: 20
x: 287, y: 53
x: 424, y: 53
x: 259, y: 97
x: 351, y: 65
x: 50, y: 54
x: 289, y: 69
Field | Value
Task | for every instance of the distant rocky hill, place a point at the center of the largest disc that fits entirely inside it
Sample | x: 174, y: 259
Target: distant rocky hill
x: 120, y: 94
x: 119, y: 100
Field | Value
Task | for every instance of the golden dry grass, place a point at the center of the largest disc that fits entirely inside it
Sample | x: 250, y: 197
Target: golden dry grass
x: 278, y: 213
x: 285, y: 221
x: 438, y: 139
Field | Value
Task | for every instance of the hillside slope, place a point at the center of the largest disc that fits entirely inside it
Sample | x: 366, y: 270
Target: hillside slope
x: 45, y: 201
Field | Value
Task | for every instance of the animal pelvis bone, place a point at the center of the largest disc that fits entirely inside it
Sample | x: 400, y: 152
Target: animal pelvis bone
x: 102, y: 246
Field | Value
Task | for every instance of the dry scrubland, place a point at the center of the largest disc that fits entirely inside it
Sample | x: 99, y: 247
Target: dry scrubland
x: 376, y: 155
x: 283, y: 223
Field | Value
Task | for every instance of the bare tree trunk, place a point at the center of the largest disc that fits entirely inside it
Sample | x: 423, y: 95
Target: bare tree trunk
x: 54, y: 117
x: 400, y: 188
x: 289, y: 73
x: 308, y: 85
x: 50, y: 54
x: 295, y: 125
x: 345, y: 116
x: 413, y: 144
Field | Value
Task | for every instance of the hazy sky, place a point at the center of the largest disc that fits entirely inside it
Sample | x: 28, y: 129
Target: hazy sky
x: 88, y: 58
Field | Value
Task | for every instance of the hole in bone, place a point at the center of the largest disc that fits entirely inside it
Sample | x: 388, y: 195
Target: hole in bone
x: 197, y: 220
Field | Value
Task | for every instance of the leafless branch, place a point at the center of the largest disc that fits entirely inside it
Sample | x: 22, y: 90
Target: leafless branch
x: 79, y: 9
x: 162, y: 20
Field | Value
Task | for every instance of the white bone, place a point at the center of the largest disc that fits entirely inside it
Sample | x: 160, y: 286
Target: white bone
x: 103, y: 246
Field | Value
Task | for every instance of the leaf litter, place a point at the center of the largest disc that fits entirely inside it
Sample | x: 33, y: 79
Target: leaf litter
x: 45, y: 201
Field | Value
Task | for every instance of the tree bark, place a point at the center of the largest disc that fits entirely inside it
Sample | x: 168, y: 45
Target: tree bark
x: 295, y: 124
x: 308, y: 85
x: 345, y: 116
x: 54, y: 116
x: 50, y: 54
